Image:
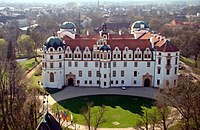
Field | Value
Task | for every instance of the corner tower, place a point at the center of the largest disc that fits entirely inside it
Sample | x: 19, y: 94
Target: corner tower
x: 53, y: 63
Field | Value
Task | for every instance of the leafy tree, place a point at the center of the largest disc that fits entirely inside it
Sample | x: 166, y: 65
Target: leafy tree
x: 26, y: 45
x: 3, y: 49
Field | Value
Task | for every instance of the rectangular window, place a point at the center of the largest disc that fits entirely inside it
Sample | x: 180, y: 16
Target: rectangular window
x: 114, y: 56
x: 60, y: 56
x: 51, y: 65
x: 135, y: 82
x: 98, y: 82
x: 96, y: 64
x: 116, y: 82
x: 114, y: 73
x: 105, y: 65
x: 90, y: 82
x: 174, y: 82
x: 51, y: 57
x: 168, y: 71
x: 89, y: 73
x: 105, y: 75
x: 114, y: 64
x: 149, y: 55
x: 122, y: 82
x: 80, y: 73
x: 159, y: 61
x: 158, y: 82
x: 104, y: 83
x: 176, y: 61
x: 70, y: 55
x: 84, y: 55
x: 85, y: 81
x: 130, y: 56
x: 69, y: 64
x: 135, y: 64
x: 148, y: 64
x: 76, y: 64
x: 122, y: 73
x: 168, y: 61
x: 85, y: 64
x: 78, y: 82
x: 125, y: 64
x: 75, y: 55
x: 124, y: 56
x: 109, y: 65
x: 159, y: 70
x: 175, y: 70
x: 118, y: 56
x: 167, y: 83
x: 97, y: 73
x: 139, y: 56
x: 135, y: 73
x: 60, y: 64
x: 111, y: 82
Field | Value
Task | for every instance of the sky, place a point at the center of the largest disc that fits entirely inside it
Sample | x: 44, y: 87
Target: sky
x: 65, y: 1
x: 62, y: 1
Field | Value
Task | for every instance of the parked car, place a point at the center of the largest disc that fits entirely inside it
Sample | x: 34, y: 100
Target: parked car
x: 123, y: 87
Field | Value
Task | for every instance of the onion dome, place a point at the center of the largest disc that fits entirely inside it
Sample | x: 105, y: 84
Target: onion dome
x: 140, y: 25
x: 68, y: 25
x: 105, y: 48
x: 54, y: 42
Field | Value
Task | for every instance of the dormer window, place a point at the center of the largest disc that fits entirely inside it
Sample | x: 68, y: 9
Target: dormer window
x: 51, y: 49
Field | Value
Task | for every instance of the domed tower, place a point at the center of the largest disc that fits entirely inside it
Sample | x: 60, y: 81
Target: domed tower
x: 105, y: 57
x: 138, y: 28
x: 69, y: 26
x: 53, y: 63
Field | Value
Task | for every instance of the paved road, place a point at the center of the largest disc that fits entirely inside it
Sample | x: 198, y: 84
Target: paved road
x: 71, y: 92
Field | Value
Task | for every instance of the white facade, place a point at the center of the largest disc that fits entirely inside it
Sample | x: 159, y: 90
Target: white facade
x: 107, y: 63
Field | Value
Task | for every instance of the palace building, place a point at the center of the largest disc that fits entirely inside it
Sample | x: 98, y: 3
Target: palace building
x: 138, y: 59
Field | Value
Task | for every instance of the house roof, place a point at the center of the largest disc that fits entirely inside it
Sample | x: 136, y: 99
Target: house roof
x: 167, y: 46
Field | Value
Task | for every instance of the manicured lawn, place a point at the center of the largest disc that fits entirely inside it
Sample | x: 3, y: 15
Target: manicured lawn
x: 28, y: 64
x: 122, y: 109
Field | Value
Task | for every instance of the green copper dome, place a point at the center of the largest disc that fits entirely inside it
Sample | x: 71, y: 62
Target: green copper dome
x: 68, y: 25
x: 140, y: 25
x: 54, y: 42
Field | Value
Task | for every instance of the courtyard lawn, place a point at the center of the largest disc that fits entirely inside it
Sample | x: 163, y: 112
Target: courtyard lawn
x: 124, y: 110
x: 28, y: 64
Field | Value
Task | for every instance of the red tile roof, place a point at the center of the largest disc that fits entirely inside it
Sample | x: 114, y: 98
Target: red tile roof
x: 167, y: 46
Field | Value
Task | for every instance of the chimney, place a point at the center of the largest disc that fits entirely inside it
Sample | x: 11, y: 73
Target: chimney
x: 87, y: 33
x: 152, y: 42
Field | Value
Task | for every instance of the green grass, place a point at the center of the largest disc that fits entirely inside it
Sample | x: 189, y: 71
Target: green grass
x: 190, y: 62
x: 28, y: 64
x: 122, y: 109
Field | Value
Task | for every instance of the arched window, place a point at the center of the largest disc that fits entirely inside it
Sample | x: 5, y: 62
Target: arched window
x: 51, y: 75
x: 51, y: 49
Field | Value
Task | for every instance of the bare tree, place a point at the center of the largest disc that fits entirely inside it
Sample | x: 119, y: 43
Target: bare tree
x: 99, y: 117
x: 185, y: 99
x: 88, y: 115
